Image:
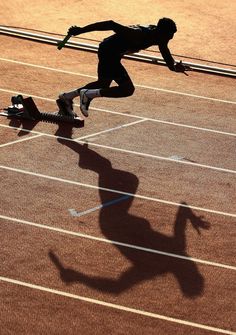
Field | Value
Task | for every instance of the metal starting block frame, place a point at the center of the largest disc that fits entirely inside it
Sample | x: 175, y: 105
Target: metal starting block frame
x: 25, y: 108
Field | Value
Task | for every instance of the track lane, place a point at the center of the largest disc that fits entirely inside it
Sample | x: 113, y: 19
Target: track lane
x: 138, y: 222
x: 200, y: 117
x: 111, y: 275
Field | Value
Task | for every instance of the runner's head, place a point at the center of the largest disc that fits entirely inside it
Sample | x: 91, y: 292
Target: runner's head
x: 167, y: 26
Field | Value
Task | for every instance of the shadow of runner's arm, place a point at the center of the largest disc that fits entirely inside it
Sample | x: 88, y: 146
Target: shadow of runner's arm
x: 180, y: 227
x: 183, y: 215
x: 124, y: 282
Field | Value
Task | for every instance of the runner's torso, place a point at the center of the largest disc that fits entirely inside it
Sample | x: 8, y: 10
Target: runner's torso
x: 138, y: 38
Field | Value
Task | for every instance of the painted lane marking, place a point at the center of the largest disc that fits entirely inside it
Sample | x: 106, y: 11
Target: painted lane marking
x: 137, y: 85
x: 138, y: 196
x: 120, y: 244
x: 21, y: 140
x: 172, y: 159
x: 110, y: 130
x: 75, y: 213
x: 115, y: 306
x: 129, y: 115
x: 176, y: 124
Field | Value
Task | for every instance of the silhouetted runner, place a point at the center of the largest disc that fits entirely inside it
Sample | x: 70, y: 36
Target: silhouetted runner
x: 126, y: 40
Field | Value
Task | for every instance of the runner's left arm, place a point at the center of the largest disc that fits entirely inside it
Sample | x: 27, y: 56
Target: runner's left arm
x: 165, y: 52
x: 170, y: 62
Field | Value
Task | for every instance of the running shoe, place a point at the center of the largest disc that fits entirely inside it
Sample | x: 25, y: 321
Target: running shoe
x: 84, y: 102
x: 68, y: 103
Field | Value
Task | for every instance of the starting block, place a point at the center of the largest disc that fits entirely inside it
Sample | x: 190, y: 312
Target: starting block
x: 25, y: 108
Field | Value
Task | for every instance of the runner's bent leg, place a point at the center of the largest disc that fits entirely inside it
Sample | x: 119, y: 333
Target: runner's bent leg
x: 110, y: 66
x: 125, y: 88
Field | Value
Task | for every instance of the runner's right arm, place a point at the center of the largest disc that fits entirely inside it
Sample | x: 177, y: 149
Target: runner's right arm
x: 100, y: 26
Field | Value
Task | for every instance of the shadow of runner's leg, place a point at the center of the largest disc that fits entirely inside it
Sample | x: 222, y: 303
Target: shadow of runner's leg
x: 118, y: 225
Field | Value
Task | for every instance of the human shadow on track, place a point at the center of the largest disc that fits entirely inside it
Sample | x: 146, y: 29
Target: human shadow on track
x: 117, y: 224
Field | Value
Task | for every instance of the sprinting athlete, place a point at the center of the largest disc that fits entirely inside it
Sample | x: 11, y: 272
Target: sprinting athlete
x: 126, y: 40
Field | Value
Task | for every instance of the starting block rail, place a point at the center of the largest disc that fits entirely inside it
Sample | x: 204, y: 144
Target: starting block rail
x: 25, y: 108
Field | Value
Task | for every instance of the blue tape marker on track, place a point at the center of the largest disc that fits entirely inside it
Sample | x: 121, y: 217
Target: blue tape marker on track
x: 106, y: 204
x: 112, y: 202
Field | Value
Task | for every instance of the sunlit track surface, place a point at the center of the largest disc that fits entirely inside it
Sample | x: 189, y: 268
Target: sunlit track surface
x: 131, y: 219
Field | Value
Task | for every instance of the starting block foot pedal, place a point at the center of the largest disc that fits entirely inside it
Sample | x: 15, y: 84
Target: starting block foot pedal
x: 31, y: 109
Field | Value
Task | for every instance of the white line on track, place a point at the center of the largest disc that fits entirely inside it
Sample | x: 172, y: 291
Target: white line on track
x: 47, y: 68
x: 176, y: 124
x: 92, y: 144
x: 128, y: 115
x: 110, y: 130
x: 141, y: 86
x: 120, y: 244
x: 210, y: 167
x: 116, y: 306
x: 138, y: 196
x: 187, y: 94
x: 21, y: 140
x: 137, y: 153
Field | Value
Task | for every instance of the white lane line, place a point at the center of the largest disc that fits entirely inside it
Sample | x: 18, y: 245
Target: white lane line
x: 137, y: 85
x: 187, y: 94
x: 168, y: 159
x: 128, y: 115
x: 115, y: 306
x: 110, y: 130
x: 138, y: 196
x: 92, y: 144
x: 176, y: 124
x: 47, y: 68
x: 21, y: 140
x: 120, y: 244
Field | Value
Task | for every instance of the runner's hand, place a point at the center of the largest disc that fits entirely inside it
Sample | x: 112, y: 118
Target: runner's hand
x: 180, y: 67
x: 74, y: 30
